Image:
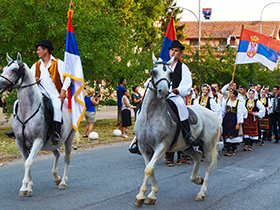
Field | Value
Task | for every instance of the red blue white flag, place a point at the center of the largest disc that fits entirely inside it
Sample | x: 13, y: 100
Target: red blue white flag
x: 74, y: 70
x: 170, y: 36
x: 257, y: 48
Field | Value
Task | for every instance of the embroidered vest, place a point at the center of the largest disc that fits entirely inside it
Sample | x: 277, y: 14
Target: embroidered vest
x: 265, y: 103
x: 232, y: 109
x: 53, y: 70
x: 254, y: 108
x: 177, y: 75
x: 207, y: 104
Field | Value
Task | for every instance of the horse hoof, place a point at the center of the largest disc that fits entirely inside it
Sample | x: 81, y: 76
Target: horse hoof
x: 200, y: 181
x: 150, y: 201
x: 199, y: 198
x: 57, y: 181
x: 29, y: 193
x: 62, y: 186
x: 139, y: 202
x: 22, y: 194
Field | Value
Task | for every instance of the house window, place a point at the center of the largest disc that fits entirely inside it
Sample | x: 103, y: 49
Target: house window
x: 194, y: 42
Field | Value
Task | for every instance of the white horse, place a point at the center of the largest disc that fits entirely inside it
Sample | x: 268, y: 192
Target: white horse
x: 155, y: 131
x: 30, y: 126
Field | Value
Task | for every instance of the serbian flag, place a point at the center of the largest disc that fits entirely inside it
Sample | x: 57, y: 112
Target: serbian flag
x: 74, y: 70
x: 170, y: 36
x: 257, y: 48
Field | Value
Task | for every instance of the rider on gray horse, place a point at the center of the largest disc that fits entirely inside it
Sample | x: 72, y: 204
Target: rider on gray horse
x: 181, y: 87
x: 48, y: 71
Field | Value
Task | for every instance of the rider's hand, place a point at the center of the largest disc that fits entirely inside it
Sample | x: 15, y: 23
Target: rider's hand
x: 62, y: 96
x: 38, y: 80
x: 176, y: 91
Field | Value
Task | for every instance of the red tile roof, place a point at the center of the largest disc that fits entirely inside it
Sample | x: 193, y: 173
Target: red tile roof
x: 222, y: 29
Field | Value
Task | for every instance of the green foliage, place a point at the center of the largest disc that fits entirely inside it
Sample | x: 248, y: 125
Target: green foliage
x: 108, y: 102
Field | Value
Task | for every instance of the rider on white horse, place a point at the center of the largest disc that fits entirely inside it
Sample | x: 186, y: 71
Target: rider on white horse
x: 49, y: 70
x: 181, y: 87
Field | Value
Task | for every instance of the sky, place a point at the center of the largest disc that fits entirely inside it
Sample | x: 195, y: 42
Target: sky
x: 237, y: 10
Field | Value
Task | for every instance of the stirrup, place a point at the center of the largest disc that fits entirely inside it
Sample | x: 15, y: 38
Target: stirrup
x: 55, y: 138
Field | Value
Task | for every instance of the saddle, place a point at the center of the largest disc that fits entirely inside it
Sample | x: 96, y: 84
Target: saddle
x: 172, y: 109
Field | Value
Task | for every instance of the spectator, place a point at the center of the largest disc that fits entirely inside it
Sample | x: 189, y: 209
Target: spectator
x: 120, y: 90
x: 275, y: 112
x: 126, y: 114
x: 3, y: 103
x: 136, y: 99
x: 90, y: 102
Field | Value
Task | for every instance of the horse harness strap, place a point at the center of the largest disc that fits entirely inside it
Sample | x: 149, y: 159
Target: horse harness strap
x: 25, y: 122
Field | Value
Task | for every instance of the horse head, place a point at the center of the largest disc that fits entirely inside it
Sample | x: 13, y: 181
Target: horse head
x: 13, y: 74
x: 161, y: 75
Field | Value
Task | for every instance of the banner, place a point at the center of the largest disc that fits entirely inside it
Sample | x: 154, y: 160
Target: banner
x: 257, y: 48
x: 170, y: 36
x: 74, y: 70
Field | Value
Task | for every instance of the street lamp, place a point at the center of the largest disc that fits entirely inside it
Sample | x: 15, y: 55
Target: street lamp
x: 197, y: 18
x: 262, y: 13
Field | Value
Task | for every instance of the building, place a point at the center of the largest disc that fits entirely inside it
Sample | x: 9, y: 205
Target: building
x: 226, y: 33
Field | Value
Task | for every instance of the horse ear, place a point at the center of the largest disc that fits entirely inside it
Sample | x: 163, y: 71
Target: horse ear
x: 9, y: 59
x: 19, y: 57
x: 171, y: 61
x: 154, y: 58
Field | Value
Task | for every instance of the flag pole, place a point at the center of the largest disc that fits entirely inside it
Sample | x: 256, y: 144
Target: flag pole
x: 233, y: 72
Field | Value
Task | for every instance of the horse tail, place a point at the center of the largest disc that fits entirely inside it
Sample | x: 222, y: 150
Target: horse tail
x: 215, y: 149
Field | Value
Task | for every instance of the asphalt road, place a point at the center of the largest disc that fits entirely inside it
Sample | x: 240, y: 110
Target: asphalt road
x: 108, y: 177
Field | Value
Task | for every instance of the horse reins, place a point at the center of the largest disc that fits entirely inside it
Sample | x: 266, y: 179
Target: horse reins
x: 25, y: 122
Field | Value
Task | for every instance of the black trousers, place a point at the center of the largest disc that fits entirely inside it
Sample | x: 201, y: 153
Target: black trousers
x: 275, y: 121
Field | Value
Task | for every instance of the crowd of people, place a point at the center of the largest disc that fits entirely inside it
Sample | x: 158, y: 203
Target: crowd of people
x: 246, y: 116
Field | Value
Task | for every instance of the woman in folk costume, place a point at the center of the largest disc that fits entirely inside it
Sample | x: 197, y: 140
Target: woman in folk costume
x: 193, y: 97
x: 251, y: 129
x: 233, y: 112
x: 208, y: 102
x: 264, y: 122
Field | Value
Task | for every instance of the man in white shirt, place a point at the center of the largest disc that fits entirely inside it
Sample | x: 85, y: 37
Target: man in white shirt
x: 181, y: 87
x: 48, y: 72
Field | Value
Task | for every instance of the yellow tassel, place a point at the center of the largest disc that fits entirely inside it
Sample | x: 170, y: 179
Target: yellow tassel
x: 70, y: 10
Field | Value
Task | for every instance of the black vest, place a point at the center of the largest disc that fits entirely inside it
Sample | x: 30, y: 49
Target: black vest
x: 177, y: 75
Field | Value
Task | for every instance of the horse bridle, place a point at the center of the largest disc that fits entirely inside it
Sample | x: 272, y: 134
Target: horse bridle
x: 20, y: 74
x: 165, y: 68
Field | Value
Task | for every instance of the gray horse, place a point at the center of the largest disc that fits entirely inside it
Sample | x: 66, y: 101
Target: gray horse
x: 155, y: 131
x: 29, y: 125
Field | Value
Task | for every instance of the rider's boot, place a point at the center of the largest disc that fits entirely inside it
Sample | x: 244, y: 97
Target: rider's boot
x: 186, y: 131
x: 56, y: 132
x: 134, y: 148
x: 10, y: 134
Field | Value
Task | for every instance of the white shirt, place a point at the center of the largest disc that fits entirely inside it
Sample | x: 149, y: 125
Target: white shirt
x: 47, y: 81
x: 186, y: 81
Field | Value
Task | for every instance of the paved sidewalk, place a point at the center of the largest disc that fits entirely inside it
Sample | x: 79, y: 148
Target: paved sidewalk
x: 109, y: 112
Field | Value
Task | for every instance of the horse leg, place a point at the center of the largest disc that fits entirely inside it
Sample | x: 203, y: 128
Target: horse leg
x: 140, y: 197
x: 27, y: 183
x: 149, y: 172
x: 151, y: 198
x: 56, y: 178
x: 196, y: 156
x: 67, y: 158
x: 208, y: 168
